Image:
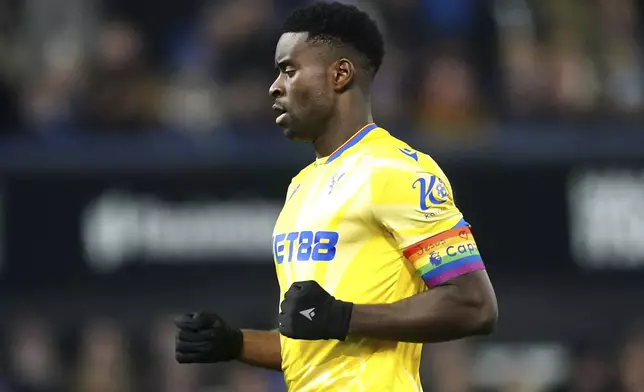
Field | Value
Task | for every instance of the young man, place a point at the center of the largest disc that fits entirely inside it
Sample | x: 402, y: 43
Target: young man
x: 372, y: 255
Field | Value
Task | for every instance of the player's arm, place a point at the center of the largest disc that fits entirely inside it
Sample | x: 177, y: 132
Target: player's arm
x: 464, y: 306
x: 207, y: 338
x: 415, y: 205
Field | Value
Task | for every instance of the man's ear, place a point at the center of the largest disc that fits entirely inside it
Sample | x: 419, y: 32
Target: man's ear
x: 343, y: 74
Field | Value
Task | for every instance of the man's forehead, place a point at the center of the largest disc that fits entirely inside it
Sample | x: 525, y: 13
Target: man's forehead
x: 291, y: 45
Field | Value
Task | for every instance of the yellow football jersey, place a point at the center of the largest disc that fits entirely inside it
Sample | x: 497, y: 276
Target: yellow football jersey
x: 375, y: 222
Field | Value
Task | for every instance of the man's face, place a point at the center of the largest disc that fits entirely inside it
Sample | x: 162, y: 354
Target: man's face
x: 303, y: 91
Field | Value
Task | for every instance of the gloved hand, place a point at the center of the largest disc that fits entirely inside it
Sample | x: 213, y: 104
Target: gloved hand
x: 206, y: 338
x: 308, y: 312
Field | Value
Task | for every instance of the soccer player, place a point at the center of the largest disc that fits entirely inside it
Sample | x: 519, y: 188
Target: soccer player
x: 372, y: 255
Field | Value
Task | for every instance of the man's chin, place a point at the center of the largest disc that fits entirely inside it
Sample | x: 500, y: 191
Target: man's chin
x: 292, y: 135
x: 282, y: 122
x: 289, y: 133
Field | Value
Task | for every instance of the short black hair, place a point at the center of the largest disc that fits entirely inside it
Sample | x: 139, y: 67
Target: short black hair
x: 339, y: 24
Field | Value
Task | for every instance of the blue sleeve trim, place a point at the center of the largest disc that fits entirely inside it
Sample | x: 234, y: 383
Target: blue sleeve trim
x: 461, y: 223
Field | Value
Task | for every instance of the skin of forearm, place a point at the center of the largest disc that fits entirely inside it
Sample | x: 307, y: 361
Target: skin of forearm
x: 262, y: 349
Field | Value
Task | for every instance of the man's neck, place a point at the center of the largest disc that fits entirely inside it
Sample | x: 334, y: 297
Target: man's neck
x: 339, y: 130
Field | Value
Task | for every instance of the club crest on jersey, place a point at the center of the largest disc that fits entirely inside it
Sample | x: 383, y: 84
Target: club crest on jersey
x: 432, y: 191
x: 334, y: 181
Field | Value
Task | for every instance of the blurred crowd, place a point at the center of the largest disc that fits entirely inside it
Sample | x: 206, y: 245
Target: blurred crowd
x: 452, y: 67
x: 102, y: 356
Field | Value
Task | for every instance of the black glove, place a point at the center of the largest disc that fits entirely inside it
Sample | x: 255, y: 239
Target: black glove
x: 206, y: 338
x: 310, y: 313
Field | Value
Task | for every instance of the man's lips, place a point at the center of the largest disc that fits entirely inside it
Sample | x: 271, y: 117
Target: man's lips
x: 279, y: 109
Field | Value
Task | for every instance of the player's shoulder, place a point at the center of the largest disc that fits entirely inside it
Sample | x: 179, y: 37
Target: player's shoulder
x: 303, y: 172
x: 401, y: 171
x: 391, y: 154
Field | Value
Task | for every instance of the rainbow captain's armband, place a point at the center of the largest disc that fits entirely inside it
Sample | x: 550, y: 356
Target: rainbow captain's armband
x: 445, y: 256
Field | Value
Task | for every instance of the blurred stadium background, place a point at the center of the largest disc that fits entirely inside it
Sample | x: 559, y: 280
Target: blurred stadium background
x: 140, y: 173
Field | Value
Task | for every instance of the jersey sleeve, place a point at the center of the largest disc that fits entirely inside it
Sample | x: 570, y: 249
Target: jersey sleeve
x: 413, y: 201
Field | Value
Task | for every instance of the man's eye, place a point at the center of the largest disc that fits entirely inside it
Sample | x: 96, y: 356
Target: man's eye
x: 289, y: 72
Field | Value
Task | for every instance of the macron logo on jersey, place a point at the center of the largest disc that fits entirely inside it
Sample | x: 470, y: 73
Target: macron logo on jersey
x: 308, y: 313
x: 410, y: 153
